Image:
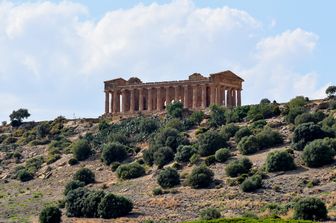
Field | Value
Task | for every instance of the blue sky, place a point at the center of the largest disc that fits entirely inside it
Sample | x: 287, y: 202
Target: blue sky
x: 55, y: 55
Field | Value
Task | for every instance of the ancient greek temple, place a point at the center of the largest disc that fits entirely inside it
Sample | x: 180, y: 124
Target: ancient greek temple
x: 196, y: 93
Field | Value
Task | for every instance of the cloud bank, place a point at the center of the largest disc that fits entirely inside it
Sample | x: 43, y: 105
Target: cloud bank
x: 54, y: 57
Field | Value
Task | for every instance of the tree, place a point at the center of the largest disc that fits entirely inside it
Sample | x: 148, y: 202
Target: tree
x: 17, y: 116
x: 175, y: 109
x: 331, y: 91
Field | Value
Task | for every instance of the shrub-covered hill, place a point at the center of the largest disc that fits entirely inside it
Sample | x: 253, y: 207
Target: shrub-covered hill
x: 264, y: 160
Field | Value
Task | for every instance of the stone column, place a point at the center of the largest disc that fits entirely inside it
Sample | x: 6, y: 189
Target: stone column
x: 141, y: 101
x: 239, y: 98
x: 167, y: 96
x: 158, y: 99
x: 150, y: 99
x: 115, y: 101
x: 124, y: 100
x: 219, y: 95
x: 204, y: 104
x: 228, y: 98
x: 185, y: 97
x: 194, y: 96
x: 176, y: 91
x: 132, y: 101
x: 234, y: 103
x: 107, y: 102
x: 212, y: 94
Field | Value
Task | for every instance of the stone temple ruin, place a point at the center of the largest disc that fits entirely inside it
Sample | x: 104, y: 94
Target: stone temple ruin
x: 196, y: 93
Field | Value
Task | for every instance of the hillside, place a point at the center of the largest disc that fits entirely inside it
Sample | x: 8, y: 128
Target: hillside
x: 182, y: 140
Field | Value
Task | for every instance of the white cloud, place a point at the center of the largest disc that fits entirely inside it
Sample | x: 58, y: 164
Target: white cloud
x: 55, y: 57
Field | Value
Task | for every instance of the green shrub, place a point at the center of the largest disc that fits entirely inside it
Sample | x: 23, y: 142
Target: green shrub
x: 163, y: 156
x: 175, y: 123
x: 200, y: 177
x: 72, y: 185
x: 248, y: 145
x: 194, y: 158
x: 217, y: 116
x: 210, y: 160
x: 169, y: 137
x: 184, y: 153
x: 310, y: 208
x: 157, y: 191
x: 265, y: 101
x: 210, y: 214
x: 81, y: 202
x: 269, y: 138
x: 309, y: 117
x: 318, y: 153
x: 331, y: 91
x: 209, y: 142
x: 229, y: 130
x: 130, y: 171
x: 242, y: 132
x: 113, y: 152
x: 149, y: 125
x: 298, y: 101
x: 222, y: 155
x: 81, y: 150
x: 305, y: 133
x: 84, y: 175
x: 238, y: 167
x: 73, y: 161
x: 24, y: 175
x: 175, y: 109
x: 50, y: 214
x: 91, y: 203
x: 251, y: 183
x: 258, y: 124
x: 168, y: 178
x: 263, y: 111
x: 112, y: 206
x: 294, y: 112
x: 115, y: 165
x: 194, y: 119
x: 279, y: 161
x: 43, y: 129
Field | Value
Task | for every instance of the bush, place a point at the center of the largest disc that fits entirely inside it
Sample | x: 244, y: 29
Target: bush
x: 194, y: 119
x: 298, y: 101
x: 268, y: 138
x: 242, y: 132
x: 318, y: 153
x: 175, y: 123
x: 115, y: 165
x: 310, y: 208
x: 168, y: 178
x: 309, y: 117
x: 81, y: 149
x: 238, y: 167
x: 209, y: 142
x: 175, y: 109
x: 294, y: 112
x: 248, y: 145
x: 85, y: 175
x: 210, y: 160
x: 184, y: 153
x: 263, y: 111
x: 73, y: 161
x: 157, y: 191
x: 217, y: 116
x: 50, y: 214
x: 112, y: 206
x: 251, y: 183
x: 163, y: 156
x: 210, y: 214
x: 169, y: 137
x: 258, y: 124
x: 81, y: 202
x: 200, y: 177
x: 113, y: 152
x: 279, y: 161
x: 229, y: 130
x: 72, y: 185
x: 24, y: 175
x: 222, y: 155
x: 305, y: 133
x: 130, y: 171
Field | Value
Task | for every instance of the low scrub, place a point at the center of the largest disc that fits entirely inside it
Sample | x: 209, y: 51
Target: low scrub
x: 209, y: 142
x: 251, y: 184
x: 81, y: 149
x: 84, y: 175
x: 200, y: 177
x: 310, y: 208
x: 238, y: 167
x: 50, y: 214
x: 279, y: 161
x: 113, y: 152
x: 168, y: 178
x: 130, y: 171
x: 318, y: 153
x: 210, y: 214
